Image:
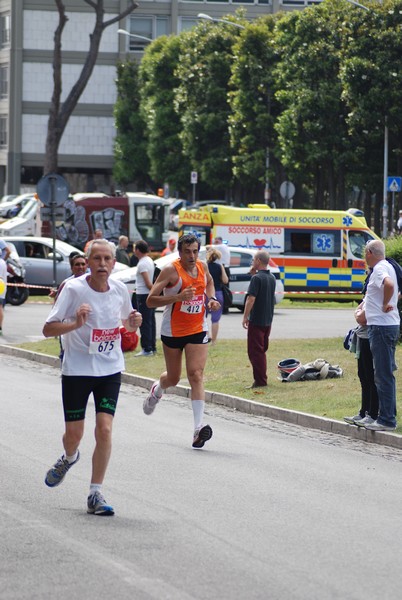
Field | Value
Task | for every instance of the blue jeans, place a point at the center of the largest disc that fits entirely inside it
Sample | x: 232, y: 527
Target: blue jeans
x: 383, y: 340
x: 148, y: 327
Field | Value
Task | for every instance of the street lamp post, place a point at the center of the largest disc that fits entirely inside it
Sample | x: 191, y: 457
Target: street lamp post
x: 134, y: 35
x: 216, y: 20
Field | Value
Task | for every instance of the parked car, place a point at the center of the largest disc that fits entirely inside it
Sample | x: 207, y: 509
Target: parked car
x: 7, y: 198
x: 24, y: 223
x: 36, y: 254
x: 12, y: 207
x: 240, y: 264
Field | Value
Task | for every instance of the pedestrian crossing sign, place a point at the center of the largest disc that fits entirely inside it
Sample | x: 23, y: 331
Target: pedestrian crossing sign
x: 394, y: 184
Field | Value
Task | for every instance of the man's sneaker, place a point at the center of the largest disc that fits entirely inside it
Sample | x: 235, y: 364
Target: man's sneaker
x: 97, y: 505
x: 56, y: 474
x: 376, y: 426
x: 144, y: 353
x: 151, y: 400
x: 365, y: 421
x: 201, y: 436
x: 352, y: 420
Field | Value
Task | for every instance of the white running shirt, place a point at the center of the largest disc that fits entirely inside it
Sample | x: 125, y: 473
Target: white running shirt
x: 95, y: 348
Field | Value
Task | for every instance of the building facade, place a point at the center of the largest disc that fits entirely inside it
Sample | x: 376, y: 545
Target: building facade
x: 26, y: 79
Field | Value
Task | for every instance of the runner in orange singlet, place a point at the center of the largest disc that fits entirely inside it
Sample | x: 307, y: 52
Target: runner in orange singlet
x: 188, y: 289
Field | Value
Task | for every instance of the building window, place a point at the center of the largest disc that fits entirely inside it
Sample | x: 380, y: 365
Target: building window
x: 240, y: 1
x: 146, y: 27
x: 186, y: 23
x: 3, y: 82
x: 3, y: 132
x: 5, y: 27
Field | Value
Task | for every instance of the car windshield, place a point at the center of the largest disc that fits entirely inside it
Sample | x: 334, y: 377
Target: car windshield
x: 28, y: 209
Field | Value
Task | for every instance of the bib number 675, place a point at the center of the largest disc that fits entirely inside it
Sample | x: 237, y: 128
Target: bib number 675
x: 105, y: 347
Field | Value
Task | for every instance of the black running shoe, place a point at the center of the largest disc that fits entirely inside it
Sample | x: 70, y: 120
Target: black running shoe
x: 201, y: 436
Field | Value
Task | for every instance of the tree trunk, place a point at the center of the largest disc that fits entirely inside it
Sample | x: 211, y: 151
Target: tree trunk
x: 59, y: 114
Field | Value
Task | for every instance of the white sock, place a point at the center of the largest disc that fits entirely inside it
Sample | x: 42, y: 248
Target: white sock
x: 94, y: 487
x: 158, y: 391
x: 71, y: 458
x: 198, y: 412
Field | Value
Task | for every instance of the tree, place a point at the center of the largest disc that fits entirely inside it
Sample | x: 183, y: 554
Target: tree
x: 130, y: 148
x: 316, y: 147
x: 158, y: 83
x: 202, y: 103
x: 60, y: 113
x: 253, y: 104
x: 372, y: 83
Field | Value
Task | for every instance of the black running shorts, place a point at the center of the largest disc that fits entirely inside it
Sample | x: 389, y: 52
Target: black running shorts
x: 180, y: 342
x: 76, y: 390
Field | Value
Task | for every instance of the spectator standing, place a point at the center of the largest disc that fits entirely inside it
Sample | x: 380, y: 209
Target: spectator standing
x: 258, y: 316
x: 87, y: 314
x: 365, y: 370
x: 380, y: 311
x: 224, y: 250
x: 399, y: 222
x: 145, y: 275
x: 4, y: 254
x: 122, y: 255
x: 4, y: 250
x: 3, y: 279
x: 170, y: 248
x: 188, y: 289
x: 219, y: 277
x: 98, y: 235
x: 225, y: 261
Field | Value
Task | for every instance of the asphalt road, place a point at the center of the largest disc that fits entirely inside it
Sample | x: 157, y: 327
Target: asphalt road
x: 25, y: 323
x: 267, y: 511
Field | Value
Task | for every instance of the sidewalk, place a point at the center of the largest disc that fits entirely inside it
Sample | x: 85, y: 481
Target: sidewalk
x: 392, y: 440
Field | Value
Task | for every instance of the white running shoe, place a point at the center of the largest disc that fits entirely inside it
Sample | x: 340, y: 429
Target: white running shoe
x: 151, y: 400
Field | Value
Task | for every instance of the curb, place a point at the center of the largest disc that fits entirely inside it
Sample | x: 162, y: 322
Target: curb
x: 250, y: 407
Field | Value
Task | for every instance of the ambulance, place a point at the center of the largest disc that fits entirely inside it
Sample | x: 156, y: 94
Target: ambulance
x: 320, y: 253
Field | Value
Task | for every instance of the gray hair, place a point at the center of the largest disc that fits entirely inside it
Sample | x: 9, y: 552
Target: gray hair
x: 263, y: 257
x: 377, y: 248
x: 101, y: 242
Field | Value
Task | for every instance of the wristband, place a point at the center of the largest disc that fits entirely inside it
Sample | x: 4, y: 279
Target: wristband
x: 214, y: 298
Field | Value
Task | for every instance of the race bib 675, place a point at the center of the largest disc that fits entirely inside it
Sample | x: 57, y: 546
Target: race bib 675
x: 104, y: 341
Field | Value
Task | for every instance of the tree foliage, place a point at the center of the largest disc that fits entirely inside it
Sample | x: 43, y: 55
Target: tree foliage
x: 130, y: 148
x: 158, y: 79
x: 202, y: 102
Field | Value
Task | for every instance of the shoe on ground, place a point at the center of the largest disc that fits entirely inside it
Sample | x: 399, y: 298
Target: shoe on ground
x: 352, y: 420
x: 145, y: 353
x: 367, y: 420
x: 255, y: 385
x: 376, y: 426
x: 56, y: 474
x: 97, y: 505
x: 201, y: 436
x: 151, y: 401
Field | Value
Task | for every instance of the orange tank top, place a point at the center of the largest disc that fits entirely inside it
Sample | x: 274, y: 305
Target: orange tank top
x: 188, y: 318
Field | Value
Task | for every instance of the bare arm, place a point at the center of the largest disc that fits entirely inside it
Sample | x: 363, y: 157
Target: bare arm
x: 56, y: 328
x: 224, y: 277
x: 247, y: 310
x: 388, y: 292
x: 168, y: 276
x: 133, y: 321
x: 210, y: 291
x: 147, y: 279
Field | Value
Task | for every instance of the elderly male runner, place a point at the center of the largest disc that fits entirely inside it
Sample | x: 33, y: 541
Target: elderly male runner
x: 187, y: 289
x: 87, y: 314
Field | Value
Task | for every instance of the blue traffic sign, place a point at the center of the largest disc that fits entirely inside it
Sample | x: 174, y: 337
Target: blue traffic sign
x: 394, y: 184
